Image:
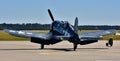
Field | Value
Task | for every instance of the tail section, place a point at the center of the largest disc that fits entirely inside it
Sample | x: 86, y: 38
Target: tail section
x: 76, y: 25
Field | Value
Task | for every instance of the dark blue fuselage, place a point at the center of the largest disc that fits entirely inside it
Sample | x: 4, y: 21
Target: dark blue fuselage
x: 63, y: 28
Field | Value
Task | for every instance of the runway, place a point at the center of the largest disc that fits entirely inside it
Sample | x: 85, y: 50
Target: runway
x: 63, y: 51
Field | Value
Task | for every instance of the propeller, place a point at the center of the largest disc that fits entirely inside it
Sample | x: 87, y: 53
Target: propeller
x: 76, y: 25
x: 51, y: 16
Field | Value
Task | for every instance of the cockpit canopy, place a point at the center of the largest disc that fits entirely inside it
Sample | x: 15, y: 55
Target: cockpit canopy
x: 63, y: 27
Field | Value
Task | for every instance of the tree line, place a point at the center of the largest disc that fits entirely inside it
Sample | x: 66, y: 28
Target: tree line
x: 36, y: 26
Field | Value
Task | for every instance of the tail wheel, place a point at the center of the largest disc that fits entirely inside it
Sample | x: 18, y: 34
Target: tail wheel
x: 110, y: 43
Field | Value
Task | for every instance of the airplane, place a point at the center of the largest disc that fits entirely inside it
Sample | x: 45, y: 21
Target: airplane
x: 63, y: 30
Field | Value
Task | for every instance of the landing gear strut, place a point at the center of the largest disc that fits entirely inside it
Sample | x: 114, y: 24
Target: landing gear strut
x: 42, y: 46
x: 109, y: 43
x: 75, y: 46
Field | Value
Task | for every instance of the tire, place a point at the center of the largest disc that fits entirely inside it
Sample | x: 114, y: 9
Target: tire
x: 107, y: 44
x: 111, y: 42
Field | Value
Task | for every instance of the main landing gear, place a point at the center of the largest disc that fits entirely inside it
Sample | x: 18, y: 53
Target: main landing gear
x: 42, y: 46
x: 75, y: 46
x: 109, y: 43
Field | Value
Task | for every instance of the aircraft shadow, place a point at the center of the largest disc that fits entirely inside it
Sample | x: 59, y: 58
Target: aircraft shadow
x: 18, y: 49
x: 57, y: 49
x: 78, y: 49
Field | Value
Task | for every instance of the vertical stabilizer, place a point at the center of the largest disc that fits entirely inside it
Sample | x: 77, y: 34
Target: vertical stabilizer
x: 76, y: 25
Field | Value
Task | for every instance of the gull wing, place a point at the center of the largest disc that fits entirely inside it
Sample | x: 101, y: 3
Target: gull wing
x: 97, y: 34
x: 26, y: 34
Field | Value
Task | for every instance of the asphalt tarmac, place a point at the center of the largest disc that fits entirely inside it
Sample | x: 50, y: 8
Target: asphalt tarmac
x: 63, y: 51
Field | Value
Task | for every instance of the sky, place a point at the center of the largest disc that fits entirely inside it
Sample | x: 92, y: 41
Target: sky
x: 89, y: 12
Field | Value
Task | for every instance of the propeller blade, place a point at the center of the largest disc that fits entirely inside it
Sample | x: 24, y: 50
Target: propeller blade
x: 51, y: 16
x: 76, y: 25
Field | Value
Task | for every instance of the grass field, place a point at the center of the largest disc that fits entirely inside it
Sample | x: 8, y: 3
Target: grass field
x: 6, y: 37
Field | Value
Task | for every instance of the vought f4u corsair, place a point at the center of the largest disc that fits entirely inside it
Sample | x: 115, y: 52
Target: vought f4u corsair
x: 62, y: 30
